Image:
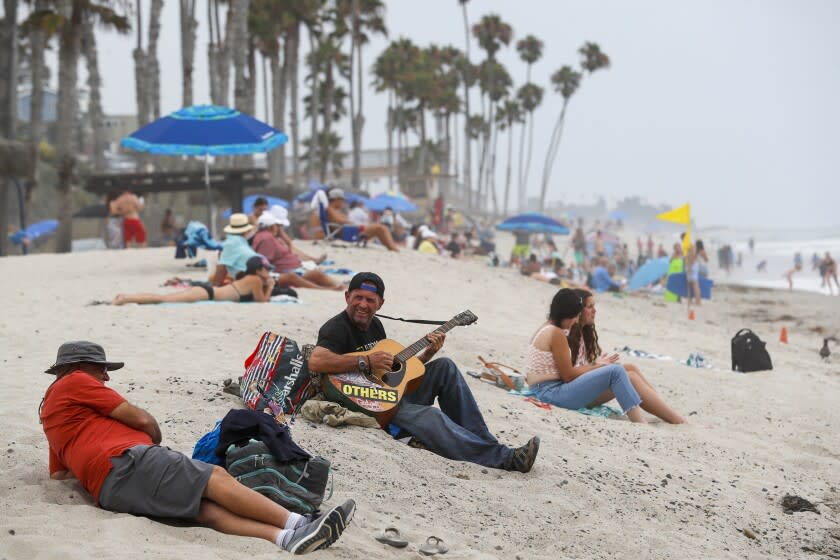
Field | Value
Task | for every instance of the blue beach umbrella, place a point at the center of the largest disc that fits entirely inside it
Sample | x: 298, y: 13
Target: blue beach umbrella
x: 205, y: 130
x: 534, y: 223
x: 648, y: 273
x: 395, y: 201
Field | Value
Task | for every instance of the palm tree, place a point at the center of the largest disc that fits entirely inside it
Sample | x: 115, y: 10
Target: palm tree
x: 566, y: 81
x: 465, y: 77
x: 530, y: 50
x: 492, y: 33
x: 494, y: 82
x: 508, y: 115
x: 73, y: 14
x: 387, y: 69
x: 238, y: 12
x: 40, y: 27
x: 95, y: 113
x: 363, y: 18
x: 188, y: 29
x: 8, y: 101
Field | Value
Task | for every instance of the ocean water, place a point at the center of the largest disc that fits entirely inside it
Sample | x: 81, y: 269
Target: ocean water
x: 777, y: 248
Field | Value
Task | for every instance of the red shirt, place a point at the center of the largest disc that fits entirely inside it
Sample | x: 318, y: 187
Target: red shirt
x: 82, y: 436
x: 277, y: 252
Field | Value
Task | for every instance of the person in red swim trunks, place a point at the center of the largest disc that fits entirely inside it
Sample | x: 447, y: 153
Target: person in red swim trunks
x: 129, y: 205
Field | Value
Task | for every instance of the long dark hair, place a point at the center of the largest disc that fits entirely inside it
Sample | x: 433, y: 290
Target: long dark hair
x: 587, y: 333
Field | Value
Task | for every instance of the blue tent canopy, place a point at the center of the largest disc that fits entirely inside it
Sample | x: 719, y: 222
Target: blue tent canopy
x: 396, y: 202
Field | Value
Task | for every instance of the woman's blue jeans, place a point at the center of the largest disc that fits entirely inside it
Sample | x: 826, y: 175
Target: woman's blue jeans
x: 584, y: 389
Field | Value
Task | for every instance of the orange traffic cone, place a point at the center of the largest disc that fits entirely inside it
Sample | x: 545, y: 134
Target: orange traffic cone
x: 783, y: 336
x: 691, y: 315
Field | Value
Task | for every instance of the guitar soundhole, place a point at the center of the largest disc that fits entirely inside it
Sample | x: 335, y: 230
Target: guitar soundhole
x: 395, y: 376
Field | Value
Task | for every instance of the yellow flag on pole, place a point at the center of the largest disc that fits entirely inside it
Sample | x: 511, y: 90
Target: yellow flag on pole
x: 681, y: 215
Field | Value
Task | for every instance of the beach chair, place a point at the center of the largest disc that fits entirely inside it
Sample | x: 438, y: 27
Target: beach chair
x: 336, y: 233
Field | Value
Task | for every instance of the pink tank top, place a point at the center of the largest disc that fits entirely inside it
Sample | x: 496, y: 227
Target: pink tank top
x: 541, y: 362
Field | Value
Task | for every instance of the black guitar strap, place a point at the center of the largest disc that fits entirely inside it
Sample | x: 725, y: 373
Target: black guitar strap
x: 421, y: 321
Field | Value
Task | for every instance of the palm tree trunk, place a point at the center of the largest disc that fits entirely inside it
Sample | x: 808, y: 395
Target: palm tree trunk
x: 313, y: 162
x: 389, y: 129
x: 212, y: 54
x: 491, y: 169
x: 325, y: 149
x: 226, y: 48
x: 188, y: 27
x: 97, y: 118
x: 152, y: 62
x: 551, y: 154
x: 267, y: 116
x: 68, y: 106
x: 238, y: 25
x: 251, y: 79
x: 292, y: 78
x: 277, y: 158
x: 523, y: 167
x: 8, y: 102
x: 357, y: 119
x: 140, y: 73
x: 467, y: 138
x: 509, y: 168
x: 37, y: 64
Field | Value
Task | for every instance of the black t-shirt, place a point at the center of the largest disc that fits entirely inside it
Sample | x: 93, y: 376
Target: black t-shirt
x: 341, y: 336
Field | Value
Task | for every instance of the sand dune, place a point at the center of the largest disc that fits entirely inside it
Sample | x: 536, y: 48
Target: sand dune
x: 600, y: 488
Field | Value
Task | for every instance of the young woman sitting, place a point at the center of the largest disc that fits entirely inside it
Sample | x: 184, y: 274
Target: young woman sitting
x: 555, y: 379
x: 583, y: 341
x: 256, y: 285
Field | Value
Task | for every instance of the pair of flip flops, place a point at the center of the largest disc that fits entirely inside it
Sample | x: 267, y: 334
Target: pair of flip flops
x: 433, y: 545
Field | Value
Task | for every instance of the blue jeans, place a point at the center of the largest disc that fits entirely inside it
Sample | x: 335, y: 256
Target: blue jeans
x: 584, y: 389
x: 456, y: 430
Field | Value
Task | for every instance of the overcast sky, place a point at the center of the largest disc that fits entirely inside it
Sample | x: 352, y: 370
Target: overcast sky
x: 733, y: 105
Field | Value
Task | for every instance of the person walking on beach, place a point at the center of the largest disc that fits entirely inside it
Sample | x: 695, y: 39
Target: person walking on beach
x: 830, y: 266
x: 797, y: 266
x: 113, y: 448
x: 129, y: 205
x: 457, y: 429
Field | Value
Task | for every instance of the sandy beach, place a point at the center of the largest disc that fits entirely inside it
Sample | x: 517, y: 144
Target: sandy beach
x: 601, y: 488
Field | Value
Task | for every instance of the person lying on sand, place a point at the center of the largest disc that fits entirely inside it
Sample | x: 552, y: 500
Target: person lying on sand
x: 457, y: 429
x: 583, y: 342
x: 256, y: 285
x: 113, y: 448
x: 555, y: 379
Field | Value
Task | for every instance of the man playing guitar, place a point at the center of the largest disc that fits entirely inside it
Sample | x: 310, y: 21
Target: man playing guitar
x: 457, y: 429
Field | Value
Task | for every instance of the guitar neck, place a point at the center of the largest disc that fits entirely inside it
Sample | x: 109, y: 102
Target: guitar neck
x: 415, y: 348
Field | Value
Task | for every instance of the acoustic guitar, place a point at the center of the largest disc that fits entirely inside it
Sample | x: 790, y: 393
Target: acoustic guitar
x: 379, y: 393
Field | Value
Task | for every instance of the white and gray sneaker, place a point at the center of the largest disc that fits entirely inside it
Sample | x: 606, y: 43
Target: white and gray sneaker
x: 322, y: 531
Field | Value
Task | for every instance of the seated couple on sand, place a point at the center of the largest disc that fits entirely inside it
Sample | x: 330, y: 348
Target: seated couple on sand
x: 113, y: 448
x: 236, y: 250
x: 567, y: 369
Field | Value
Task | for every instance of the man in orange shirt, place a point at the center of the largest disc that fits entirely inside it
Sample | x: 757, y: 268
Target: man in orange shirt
x: 112, y: 447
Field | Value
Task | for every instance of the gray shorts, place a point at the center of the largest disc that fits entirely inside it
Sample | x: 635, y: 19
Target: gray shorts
x: 155, y: 481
